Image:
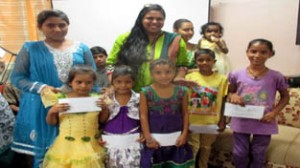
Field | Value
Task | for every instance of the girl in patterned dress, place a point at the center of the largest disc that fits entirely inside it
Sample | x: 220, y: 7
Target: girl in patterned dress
x: 163, y: 109
x: 123, y: 120
x: 77, y: 145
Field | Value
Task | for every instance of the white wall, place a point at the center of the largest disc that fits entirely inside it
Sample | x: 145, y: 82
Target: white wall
x: 276, y: 20
x: 99, y: 22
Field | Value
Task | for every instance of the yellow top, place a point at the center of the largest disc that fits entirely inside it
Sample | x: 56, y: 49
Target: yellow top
x: 205, y: 101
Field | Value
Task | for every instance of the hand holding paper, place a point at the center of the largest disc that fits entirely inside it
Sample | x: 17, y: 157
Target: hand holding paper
x: 269, y: 117
x: 247, y: 111
x: 121, y: 141
x: 49, y: 96
x: 152, y: 144
x: 236, y: 99
x: 83, y: 104
x: 181, y: 140
x: 168, y: 139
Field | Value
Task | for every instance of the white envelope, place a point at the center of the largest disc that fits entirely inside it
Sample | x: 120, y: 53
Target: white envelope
x: 247, y: 111
x: 204, y: 129
x: 121, y: 141
x: 78, y: 105
x: 166, y: 139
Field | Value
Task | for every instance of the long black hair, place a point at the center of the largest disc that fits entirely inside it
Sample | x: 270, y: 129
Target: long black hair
x: 134, y: 51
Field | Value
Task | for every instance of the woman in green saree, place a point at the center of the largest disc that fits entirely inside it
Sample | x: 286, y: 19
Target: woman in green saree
x: 146, y: 42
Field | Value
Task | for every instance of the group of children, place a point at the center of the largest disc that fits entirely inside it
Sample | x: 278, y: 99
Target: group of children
x: 164, y: 108
x: 126, y: 113
x: 254, y: 85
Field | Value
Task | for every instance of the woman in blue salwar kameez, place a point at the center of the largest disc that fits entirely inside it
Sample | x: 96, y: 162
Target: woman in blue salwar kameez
x: 40, y: 65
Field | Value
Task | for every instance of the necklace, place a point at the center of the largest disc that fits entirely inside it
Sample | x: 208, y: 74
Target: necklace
x: 257, y: 75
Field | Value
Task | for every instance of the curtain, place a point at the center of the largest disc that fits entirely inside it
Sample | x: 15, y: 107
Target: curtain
x: 17, y: 25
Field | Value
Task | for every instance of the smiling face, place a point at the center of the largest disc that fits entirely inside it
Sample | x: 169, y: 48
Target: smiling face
x: 153, y: 21
x: 163, y: 74
x: 258, y: 53
x: 123, y: 84
x: 205, y: 63
x: 186, y: 30
x: 54, y: 29
x: 82, y: 84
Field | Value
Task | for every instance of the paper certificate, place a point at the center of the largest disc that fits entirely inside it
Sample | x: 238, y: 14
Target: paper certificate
x: 121, y: 141
x: 168, y: 139
x: 204, y: 129
x: 247, y: 111
x: 85, y: 104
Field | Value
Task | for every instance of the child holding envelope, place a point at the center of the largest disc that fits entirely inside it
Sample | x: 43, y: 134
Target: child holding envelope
x: 77, y: 143
x: 205, y: 105
x: 256, y: 85
x: 121, y: 132
x: 163, y: 108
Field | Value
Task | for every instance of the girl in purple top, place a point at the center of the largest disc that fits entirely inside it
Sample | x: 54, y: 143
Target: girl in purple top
x: 256, y: 85
x: 123, y: 118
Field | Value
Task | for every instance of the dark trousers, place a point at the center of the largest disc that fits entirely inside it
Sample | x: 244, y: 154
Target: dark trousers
x: 250, y: 153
